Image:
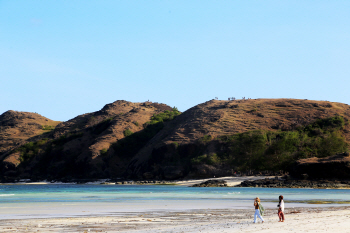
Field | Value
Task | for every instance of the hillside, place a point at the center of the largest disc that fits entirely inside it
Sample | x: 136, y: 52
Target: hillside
x: 16, y: 128
x: 79, y: 148
x: 152, y: 141
x: 200, y: 142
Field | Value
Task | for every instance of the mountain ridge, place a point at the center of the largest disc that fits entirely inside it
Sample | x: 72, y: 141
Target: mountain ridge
x: 143, y: 141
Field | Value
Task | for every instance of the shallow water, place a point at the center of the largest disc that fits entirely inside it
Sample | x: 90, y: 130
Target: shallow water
x: 55, y: 200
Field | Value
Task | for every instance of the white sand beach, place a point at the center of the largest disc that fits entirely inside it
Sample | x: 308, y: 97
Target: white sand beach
x: 332, y: 219
x: 231, y: 180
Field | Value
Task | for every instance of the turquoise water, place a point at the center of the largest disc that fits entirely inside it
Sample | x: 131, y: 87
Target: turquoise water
x: 125, y: 193
x: 21, y: 201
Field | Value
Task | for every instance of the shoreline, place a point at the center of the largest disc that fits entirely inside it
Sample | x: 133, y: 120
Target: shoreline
x: 294, y: 183
x: 230, y: 181
x: 300, y: 219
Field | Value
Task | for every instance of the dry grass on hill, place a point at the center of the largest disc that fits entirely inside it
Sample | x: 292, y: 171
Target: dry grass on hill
x: 218, y: 117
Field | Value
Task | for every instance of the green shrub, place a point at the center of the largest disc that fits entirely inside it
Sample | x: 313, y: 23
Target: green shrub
x: 132, y: 143
x: 328, y: 124
x: 271, y: 150
x: 48, y: 127
x: 164, y: 116
x: 205, y: 139
x: 211, y: 159
x: 29, y: 150
x: 42, y: 141
x: 103, y: 151
x: 199, y: 159
x: 136, y: 123
x: 66, y: 138
x: 127, y: 132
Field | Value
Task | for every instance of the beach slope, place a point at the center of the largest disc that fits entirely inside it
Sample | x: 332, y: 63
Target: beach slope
x: 332, y: 219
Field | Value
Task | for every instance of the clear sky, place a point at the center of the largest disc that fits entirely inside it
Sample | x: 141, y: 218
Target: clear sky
x: 66, y: 58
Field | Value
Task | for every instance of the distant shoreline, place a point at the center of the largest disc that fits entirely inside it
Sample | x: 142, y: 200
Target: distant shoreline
x: 231, y: 181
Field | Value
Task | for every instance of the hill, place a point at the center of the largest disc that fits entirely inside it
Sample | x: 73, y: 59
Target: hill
x: 17, y: 128
x: 154, y: 141
x: 220, y: 138
x: 78, y: 148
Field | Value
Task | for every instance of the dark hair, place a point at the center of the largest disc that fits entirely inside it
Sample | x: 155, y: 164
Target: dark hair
x: 281, y: 198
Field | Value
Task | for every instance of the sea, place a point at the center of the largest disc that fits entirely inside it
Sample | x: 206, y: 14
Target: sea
x: 21, y: 201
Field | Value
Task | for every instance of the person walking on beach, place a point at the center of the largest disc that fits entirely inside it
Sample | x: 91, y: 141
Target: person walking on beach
x: 281, y: 209
x: 258, y: 209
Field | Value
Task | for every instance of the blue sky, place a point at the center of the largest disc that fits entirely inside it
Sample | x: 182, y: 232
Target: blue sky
x: 66, y: 58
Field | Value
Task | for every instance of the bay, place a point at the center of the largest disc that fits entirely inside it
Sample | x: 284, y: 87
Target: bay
x: 69, y: 200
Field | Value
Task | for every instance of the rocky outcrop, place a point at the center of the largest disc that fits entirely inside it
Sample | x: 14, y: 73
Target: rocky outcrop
x: 290, y: 183
x: 212, y: 183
